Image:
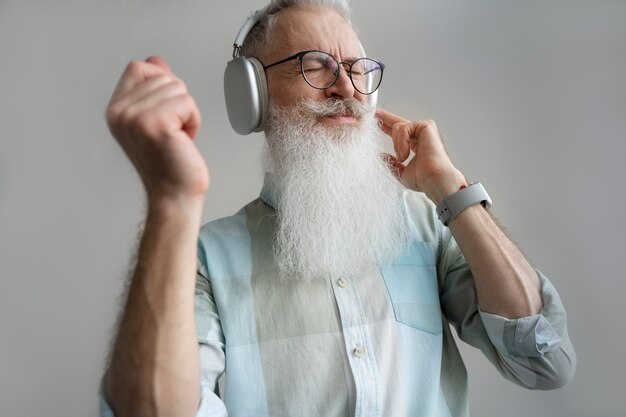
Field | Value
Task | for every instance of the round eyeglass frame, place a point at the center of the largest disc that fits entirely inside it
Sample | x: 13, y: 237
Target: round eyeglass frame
x: 301, y: 54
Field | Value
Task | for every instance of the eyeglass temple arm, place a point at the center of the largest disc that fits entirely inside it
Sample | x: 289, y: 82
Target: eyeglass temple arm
x: 292, y: 57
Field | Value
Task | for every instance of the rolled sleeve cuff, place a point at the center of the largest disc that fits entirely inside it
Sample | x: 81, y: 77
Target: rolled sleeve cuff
x: 529, y: 336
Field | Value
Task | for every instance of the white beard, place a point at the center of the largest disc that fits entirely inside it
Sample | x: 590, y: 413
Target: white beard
x: 339, y: 211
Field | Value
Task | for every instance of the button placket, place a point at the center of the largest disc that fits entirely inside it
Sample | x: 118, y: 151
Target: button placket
x: 355, y: 336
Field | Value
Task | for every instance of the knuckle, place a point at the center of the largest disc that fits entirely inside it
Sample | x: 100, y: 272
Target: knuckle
x: 139, y: 120
x: 180, y: 89
x: 142, y: 121
x: 189, y: 101
x: 171, y: 87
x: 113, y: 114
x: 186, y: 103
x: 147, y: 125
x: 127, y: 116
x: 181, y: 84
x: 401, y: 129
x: 160, y: 79
x: 133, y: 67
x: 431, y: 123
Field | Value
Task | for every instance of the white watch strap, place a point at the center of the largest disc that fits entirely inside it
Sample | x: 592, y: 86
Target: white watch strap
x: 452, y: 205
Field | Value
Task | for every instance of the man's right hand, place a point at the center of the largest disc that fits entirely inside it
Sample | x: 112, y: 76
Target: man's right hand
x: 155, y: 121
x: 155, y: 368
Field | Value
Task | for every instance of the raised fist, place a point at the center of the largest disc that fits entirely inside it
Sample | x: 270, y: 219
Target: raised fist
x: 155, y: 121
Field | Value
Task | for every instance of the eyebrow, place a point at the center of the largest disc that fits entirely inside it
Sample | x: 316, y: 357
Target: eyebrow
x: 348, y: 59
x: 351, y: 59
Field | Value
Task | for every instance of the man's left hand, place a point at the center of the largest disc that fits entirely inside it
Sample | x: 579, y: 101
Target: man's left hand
x: 430, y: 170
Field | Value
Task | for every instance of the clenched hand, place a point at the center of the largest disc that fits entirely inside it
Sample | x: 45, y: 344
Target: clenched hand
x: 155, y: 121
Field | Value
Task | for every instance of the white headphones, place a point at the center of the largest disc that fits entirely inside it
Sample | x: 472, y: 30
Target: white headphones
x: 245, y: 86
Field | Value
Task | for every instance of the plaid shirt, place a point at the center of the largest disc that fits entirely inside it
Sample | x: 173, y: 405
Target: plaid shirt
x: 376, y: 344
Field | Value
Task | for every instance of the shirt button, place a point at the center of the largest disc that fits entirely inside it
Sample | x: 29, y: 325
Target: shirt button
x: 358, y: 351
x: 342, y: 283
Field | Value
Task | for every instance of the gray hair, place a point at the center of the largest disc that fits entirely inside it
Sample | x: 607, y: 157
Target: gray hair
x: 259, y: 37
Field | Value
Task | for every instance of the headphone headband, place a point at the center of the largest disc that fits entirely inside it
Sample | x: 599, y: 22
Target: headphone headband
x: 245, y: 29
x: 245, y: 86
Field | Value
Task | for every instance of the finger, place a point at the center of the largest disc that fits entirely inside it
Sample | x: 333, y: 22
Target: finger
x: 140, y: 91
x: 191, y: 125
x: 427, y: 132
x: 392, y: 124
x: 396, y: 145
x: 167, y: 119
x: 409, y: 135
x: 186, y: 111
x: 157, y: 60
x: 401, y: 134
x: 128, y: 111
x: 388, y: 119
x: 135, y: 73
x: 150, y: 97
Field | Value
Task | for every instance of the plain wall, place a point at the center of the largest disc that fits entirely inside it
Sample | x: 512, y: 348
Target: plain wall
x: 530, y: 98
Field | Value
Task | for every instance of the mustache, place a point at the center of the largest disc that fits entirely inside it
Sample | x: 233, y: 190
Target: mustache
x: 333, y: 106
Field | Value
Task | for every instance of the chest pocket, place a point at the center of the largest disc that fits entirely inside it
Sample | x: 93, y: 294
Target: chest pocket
x: 411, y: 281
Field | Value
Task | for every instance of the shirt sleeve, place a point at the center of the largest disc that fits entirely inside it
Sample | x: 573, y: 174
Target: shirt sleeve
x: 533, y: 351
x: 211, y: 341
x: 211, y: 350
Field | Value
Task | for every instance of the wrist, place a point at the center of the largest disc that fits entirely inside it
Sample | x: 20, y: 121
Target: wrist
x: 444, y: 186
x: 182, y: 207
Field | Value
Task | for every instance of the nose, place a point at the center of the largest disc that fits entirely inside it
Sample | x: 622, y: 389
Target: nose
x: 342, y: 88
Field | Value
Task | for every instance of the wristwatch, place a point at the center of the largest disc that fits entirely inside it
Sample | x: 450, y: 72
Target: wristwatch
x: 452, y: 205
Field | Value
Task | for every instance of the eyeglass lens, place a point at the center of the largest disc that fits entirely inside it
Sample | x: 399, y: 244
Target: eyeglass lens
x: 321, y: 70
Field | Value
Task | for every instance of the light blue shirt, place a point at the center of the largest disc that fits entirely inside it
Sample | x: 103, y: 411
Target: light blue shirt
x: 373, y: 345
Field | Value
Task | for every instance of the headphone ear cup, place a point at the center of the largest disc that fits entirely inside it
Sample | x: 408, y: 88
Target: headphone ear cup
x: 246, y: 95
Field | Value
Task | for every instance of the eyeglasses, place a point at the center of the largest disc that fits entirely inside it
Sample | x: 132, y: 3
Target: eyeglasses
x: 321, y: 70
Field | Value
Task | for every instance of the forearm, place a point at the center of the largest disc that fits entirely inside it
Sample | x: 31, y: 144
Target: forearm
x: 506, y: 283
x: 154, y: 369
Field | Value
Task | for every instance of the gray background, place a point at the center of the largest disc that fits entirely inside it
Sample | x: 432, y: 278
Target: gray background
x: 530, y: 98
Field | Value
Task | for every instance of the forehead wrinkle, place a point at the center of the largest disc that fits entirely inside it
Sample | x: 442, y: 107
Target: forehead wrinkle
x: 303, y: 28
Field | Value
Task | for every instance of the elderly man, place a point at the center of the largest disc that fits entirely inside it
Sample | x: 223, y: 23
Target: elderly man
x: 333, y: 293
